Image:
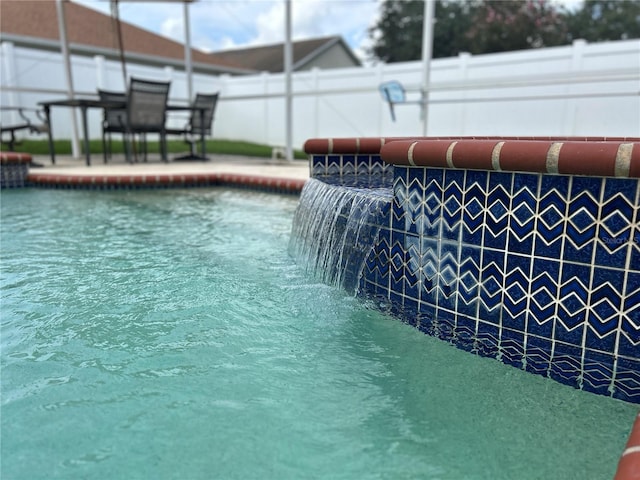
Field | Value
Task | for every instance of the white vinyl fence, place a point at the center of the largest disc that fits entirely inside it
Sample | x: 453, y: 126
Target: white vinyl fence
x: 581, y: 89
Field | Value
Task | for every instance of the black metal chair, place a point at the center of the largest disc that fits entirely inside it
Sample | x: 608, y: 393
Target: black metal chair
x: 199, y: 125
x: 114, y: 120
x: 147, y: 112
x: 25, y: 123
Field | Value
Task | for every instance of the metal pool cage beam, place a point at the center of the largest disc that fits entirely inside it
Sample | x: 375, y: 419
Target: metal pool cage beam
x: 64, y: 47
x: 395, y: 94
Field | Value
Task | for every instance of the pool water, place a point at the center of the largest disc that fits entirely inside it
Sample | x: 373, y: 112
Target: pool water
x: 169, y: 335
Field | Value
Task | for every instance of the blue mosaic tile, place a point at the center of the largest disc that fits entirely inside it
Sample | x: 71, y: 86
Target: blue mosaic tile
x: 544, y: 293
x: 473, y: 210
x: 551, y: 216
x: 469, y: 281
x: 605, y: 310
x: 497, y: 210
x: 452, y: 204
x: 572, y: 306
x: 448, y: 276
x: 363, y: 165
x: 627, y: 380
x: 538, y: 355
x: 487, y: 340
x: 565, y: 364
x: 615, y: 230
x: 598, y: 373
x: 445, y: 325
x: 348, y: 165
x: 491, y: 286
x: 583, y: 213
x: 432, y: 208
x: 512, y: 347
x: 515, y: 297
x: 333, y: 165
x: 629, y: 338
x: 523, y: 210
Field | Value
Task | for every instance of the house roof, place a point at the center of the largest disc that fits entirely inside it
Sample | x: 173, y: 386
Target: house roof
x: 25, y: 20
x: 270, y: 58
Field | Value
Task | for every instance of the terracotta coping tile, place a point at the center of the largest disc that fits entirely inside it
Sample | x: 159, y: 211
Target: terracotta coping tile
x: 167, y: 180
x: 599, y: 156
x: 629, y: 464
x: 14, y: 158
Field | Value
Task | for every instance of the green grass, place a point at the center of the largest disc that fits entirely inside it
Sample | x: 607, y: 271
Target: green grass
x: 226, y: 147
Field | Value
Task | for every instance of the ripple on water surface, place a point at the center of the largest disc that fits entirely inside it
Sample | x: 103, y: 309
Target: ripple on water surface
x: 168, y: 334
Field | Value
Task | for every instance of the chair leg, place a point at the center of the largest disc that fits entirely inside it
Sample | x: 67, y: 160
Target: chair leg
x: 163, y: 147
x: 127, y: 148
x: 104, y: 146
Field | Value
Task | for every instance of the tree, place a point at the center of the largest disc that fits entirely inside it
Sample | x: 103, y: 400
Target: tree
x: 487, y: 26
x: 397, y: 37
x: 600, y: 20
x: 506, y: 25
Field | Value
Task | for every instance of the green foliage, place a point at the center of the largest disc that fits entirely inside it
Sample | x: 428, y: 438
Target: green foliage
x: 507, y: 25
x: 397, y: 35
x: 600, y: 20
x: 488, y: 26
x: 220, y: 147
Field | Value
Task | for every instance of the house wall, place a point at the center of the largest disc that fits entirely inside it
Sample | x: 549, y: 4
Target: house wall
x: 582, y: 89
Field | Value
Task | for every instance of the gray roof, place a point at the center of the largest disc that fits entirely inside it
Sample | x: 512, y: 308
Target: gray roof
x: 270, y: 58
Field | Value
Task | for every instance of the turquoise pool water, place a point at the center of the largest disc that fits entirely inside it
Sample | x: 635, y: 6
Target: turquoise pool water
x: 168, y: 334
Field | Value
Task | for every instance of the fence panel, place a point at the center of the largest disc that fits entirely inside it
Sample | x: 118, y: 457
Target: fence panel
x: 580, y: 89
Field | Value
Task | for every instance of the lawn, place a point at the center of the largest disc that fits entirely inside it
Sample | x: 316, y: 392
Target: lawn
x: 226, y: 147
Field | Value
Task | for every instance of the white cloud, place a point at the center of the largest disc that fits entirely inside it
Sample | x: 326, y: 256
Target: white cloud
x: 224, y: 24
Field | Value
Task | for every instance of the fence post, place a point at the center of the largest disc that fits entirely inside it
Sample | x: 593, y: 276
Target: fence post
x: 101, y: 76
x: 577, y: 55
x: 9, y: 66
x: 463, y: 59
x: 315, y: 79
x: 264, y: 78
x: 383, y: 110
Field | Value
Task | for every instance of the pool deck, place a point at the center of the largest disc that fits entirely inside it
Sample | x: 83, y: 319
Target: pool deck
x: 263, y: 173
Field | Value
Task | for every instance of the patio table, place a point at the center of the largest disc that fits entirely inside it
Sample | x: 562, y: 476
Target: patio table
x: 85, y: 103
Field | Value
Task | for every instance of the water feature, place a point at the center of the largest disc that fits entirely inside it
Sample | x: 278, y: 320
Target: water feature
x: 347, y: 219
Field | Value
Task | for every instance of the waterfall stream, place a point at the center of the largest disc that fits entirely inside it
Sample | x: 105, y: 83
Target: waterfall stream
x: 334, y: 229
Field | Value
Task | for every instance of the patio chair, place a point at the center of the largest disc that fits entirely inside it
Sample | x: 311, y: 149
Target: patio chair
x: 114, y: 120
x: 199, y: 125
x: 147, y: 112
x: 25, y: 123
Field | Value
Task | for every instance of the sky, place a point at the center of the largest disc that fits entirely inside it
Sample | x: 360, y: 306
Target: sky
x: 227, y: 24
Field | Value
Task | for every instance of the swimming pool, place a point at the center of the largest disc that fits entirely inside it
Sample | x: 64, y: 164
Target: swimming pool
x: 168, y: 334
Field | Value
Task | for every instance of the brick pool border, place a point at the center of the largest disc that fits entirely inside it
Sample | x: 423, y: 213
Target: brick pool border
x: 142, y: 181
x: 597, y: 156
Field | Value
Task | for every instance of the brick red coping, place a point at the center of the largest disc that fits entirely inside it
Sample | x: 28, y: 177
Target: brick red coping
x: 629, y: 464
x: 13, y: 158
x: 166, y: 180
x: 597, y: 156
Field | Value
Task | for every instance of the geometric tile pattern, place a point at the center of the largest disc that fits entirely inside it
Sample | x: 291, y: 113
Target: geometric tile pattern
x: 14, y: 168
x: 540, y: 271
x: 346, y: 165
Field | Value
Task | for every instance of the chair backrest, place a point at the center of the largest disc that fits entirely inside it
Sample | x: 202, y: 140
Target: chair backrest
x: 147, y: 105
x: 208, y: 102
x: 114, y: 117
